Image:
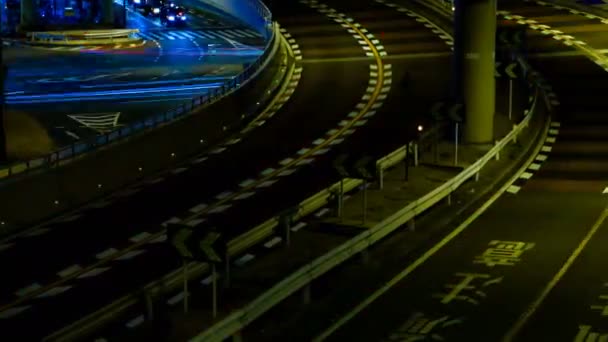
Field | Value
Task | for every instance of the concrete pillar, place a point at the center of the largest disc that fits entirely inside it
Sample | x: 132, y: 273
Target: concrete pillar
x: 475, y: 29
x: 28, y: 14
x: 107, y: 12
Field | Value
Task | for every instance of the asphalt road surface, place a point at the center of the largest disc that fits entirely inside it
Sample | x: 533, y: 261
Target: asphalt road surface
x: 335, y: 77
x: 531, y: 266
x: 126, y: 83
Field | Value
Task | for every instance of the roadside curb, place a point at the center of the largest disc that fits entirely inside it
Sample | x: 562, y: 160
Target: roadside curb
x: 76, y: 201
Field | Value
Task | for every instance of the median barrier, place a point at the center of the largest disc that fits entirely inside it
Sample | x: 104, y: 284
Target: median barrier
x: 78, y: 38
x: 37, y: 189
x: 238, y: 319
x: 172, y: 281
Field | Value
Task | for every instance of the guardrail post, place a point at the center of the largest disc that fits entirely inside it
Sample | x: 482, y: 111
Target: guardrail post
x: 149, y: 306
x: 227, y: 272
x: 514, y: 135
x: 411, y: 225
x: 449, y: 198
x: 497, y: 153
x: 306, y: 294
x: 365, y: 183
x: 477, y: 176
x: 416, y: 154
x: 365, y: 256
x: 341, y: 199
x: 237, y: 337
x: 380, y: 177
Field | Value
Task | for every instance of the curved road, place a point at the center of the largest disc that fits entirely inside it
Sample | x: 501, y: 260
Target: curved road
x: 532, y: 266
x: 172, y: 67
x: 335, y: 77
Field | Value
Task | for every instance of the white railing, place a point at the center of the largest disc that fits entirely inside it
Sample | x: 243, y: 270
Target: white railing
x: 83, y: 37
x: 241, y: 318
x: 174, y: 280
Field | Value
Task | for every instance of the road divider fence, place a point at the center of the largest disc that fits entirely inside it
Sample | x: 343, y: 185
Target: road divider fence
x: 251, y: 12
x: 78, y: 38
x: 80, y: 149
x: 174, y: 280
x: 237, y: 320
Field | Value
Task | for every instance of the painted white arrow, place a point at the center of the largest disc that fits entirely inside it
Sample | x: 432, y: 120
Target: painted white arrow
x: 179, y: 241
x: 207, y: 247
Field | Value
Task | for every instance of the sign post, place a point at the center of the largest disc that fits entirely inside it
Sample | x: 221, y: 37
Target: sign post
x: 214, y: 289
x: 200, y: 244
x: 456, y: 116
x: 362, y: 167
x: 186, y: 295
x: 341, y: 169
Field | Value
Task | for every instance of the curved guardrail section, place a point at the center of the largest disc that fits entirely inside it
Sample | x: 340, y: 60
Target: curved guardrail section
x: 81, y: 148
x: 252, y: 12
x: 240, y: 318
x: 99, y: 37
x: 236, y: 321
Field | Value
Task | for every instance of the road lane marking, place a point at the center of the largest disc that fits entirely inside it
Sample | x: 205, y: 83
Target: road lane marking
x: 529, y: 312
x: 129, y: 252
x: 422, y: 259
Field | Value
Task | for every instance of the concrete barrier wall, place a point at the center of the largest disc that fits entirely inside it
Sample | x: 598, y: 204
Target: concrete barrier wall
x: 51, y: 191
x: 252, y: 12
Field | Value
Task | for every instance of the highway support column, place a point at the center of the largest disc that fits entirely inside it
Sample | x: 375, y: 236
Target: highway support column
x: 474, y: 45
x: 28, y: 14
x: 107, y: 12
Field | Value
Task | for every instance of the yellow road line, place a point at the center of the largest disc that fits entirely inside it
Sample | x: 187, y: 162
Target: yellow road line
x: 154, y: 236
x: 529, y: 312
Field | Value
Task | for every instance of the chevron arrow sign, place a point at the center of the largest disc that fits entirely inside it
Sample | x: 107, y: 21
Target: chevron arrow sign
x: 339, y: 165
x: 209, y: 247
x: 365, y: 168
x: 436, y: 110
x: 512, y: 70
x: 179, y: 238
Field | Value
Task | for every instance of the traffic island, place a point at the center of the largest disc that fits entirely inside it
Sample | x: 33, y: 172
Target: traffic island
x: 63, y: 185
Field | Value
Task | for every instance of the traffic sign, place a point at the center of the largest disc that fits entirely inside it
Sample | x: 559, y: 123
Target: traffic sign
x: 455, y: 112
x: 512, y: 70
x: 452, y: 110
x: 362, y: 168
x: 197, y: 244
x: 339, y: 165
x: 179, y: 240
x: 510, y: 36
x: 436, y: 111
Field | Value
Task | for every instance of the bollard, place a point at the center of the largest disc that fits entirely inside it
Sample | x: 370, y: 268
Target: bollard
x: 365, y: 256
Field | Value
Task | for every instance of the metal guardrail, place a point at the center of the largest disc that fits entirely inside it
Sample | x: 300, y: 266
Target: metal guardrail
x: 80, y: 37
x: 82, y: 148
x: 174, y: 280
x: 236, y: 321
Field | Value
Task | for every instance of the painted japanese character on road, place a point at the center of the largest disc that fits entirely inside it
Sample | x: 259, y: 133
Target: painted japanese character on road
x: 421, y: 328
x: 503, y: 253
x: 464, y: 290
x: 602, y: 307
x: 586, y: 335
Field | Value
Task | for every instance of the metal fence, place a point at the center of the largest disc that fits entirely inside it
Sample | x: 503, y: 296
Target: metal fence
x: 81, y: 148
